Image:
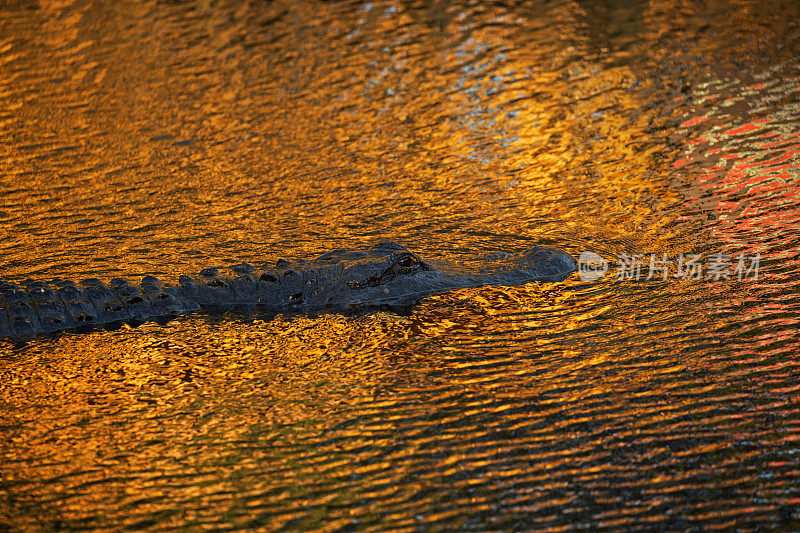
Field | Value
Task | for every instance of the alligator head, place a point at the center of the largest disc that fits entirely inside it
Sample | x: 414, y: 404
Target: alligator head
x: 390, y: 275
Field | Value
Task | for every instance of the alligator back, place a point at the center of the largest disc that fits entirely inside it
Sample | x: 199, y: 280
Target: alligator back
x: 35, y: 307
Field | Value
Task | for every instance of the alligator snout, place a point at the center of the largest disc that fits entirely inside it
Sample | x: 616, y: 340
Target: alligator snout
x: 548, y: 264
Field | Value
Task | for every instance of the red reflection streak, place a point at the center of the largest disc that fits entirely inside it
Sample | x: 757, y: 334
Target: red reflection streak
x: 756, y: 206
x: 776, y: 182
x: 693, y: 122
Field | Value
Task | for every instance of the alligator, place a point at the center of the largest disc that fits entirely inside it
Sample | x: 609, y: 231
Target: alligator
x: 385, y: 275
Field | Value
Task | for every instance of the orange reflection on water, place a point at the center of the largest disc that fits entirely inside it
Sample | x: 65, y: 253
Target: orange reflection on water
x: 153, y: 138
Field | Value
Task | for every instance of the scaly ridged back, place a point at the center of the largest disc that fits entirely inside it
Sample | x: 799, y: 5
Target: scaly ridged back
x: 38, y: 307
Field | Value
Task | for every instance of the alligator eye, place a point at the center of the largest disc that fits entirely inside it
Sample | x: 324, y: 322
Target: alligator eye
x: 406, y: 261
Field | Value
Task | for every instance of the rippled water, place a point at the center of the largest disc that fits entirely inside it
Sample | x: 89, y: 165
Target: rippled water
x: 163, y: 137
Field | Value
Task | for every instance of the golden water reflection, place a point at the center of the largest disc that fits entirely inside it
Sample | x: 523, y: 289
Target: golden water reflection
x: 153, y: 138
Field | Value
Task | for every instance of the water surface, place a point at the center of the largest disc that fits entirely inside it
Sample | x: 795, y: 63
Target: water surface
x: 163, y: 137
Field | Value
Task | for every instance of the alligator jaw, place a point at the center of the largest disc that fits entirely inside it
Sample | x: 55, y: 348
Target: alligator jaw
x: 537, y: 264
